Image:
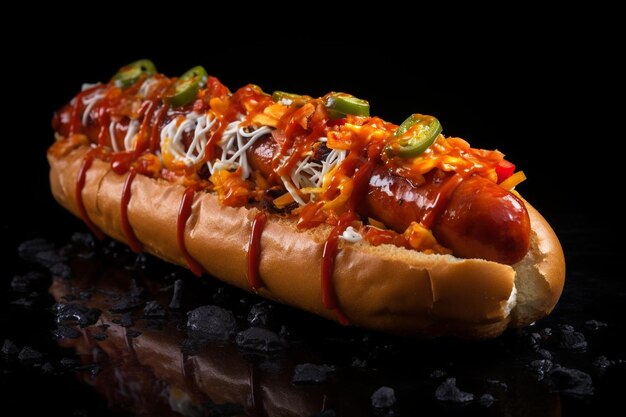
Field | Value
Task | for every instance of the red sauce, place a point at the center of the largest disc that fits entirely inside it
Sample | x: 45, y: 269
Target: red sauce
x: 254, y: 251
x: 133, y: 242
x: 359, y: 168
x: 441, y: 200
x: 76, y: 116
x: 183, y: 215
x: 80, y: 184
x: 329, y: 295
x: 155, y: 138
x: 214, y: 139
x: 147, y: 111
x: 104, y: 118
x: 297, y: 130
x: 121, y: 162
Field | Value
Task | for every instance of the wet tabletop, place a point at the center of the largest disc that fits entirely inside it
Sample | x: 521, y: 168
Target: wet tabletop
x: 89, y: 328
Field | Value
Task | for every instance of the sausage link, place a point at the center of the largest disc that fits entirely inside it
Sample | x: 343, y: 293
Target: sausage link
x: 479, y: 220
x: 483, y: 220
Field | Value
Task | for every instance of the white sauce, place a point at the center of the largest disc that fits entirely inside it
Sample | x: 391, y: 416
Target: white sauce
x: 351, y: 235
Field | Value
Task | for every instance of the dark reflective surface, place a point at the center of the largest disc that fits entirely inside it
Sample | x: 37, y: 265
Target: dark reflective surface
x: 140, y: 357
x: 533, y: 99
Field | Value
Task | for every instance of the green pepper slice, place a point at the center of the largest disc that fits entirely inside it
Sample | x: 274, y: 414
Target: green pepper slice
x: 185, y: 89
x: 341, y: 104
x: 130, y: 74
x: 289, y: 98
x: 413, y: 136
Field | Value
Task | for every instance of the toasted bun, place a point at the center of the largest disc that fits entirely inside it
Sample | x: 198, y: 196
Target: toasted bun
x: 384, y: 288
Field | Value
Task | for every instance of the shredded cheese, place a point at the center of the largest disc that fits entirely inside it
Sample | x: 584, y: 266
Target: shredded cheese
x: 291, y: 189
x: 451, y: 155
x: 89, y: 102
x: 86, y: 86
x: 283, y: 200
x: 129, y: 137
x: 131, y: 132
x: 510, y: 183
x: 235, y: 142
x: 173, y: 133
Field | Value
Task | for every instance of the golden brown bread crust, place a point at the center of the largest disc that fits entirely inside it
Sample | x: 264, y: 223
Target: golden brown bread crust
x: 383, y: 288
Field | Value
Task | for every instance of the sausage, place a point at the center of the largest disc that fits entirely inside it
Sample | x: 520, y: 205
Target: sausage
x: 261, y: 155
x: 483, y: 220
x: 479, y: 220
x: 223, y: 226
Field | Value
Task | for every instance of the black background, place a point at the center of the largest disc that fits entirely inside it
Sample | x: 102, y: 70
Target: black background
x: 539, y: 87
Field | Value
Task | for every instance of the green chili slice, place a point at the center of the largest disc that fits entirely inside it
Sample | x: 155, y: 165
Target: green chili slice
x: 413, y: 136
x: 341, y: 104
x: 131, y: 73
x: 185, y: 89
x: 289, y: 98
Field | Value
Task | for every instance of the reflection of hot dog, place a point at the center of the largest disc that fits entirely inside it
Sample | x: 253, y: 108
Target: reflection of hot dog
x: 316, y: 180
x: 149, y: 374
x: 217, y: 374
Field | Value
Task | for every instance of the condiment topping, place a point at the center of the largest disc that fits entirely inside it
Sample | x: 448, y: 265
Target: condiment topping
x: 289, y: 154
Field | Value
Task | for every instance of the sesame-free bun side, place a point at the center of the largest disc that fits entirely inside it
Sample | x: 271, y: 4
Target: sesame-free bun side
x: 541, y: 274
x: 383, y: 288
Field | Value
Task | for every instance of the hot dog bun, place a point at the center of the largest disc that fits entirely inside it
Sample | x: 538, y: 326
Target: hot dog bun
x: 383, y: 288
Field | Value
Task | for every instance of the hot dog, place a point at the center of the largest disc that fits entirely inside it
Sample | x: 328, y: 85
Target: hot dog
x: 167, y: 165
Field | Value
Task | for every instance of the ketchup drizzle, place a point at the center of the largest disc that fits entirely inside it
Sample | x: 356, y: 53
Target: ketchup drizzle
x: 184, y: 212
x: 441, y: 200
x: 254, y: 251
x: 80, y: 184
x: 329, y: 295
x: 75, y: 118
x: 155, y: 138
x: 358, y: 165
x: 133, y: 242
x: 147, y: 110
x: 104, y: 119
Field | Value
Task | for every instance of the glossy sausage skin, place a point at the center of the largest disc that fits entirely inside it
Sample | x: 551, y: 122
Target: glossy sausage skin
x: 479, y: 220
x: 483, y: 220
x: 261, y: 155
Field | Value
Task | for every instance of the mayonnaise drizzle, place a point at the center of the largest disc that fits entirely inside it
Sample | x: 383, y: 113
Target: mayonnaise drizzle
x: 351, y: 235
